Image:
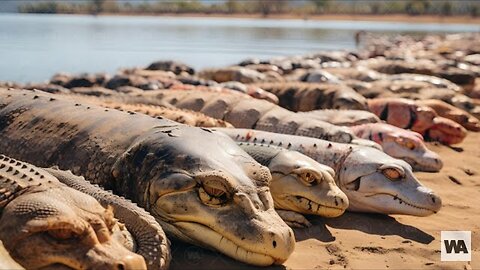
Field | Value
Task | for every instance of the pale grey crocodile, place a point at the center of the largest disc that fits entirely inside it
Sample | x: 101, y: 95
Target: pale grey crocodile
x: 161, y: 165
x: 372, y: 180
x: 300, y: 185
x: 45, y: 224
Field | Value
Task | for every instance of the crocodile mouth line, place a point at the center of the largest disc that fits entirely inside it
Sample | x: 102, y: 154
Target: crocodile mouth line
x: 400, y: 201
x: 220, y: 243
x: 314, y: 207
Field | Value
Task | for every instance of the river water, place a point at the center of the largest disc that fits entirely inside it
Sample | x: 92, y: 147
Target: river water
x: 34, y: 47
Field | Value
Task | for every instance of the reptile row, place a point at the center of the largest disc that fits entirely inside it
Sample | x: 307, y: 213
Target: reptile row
x: 100, y: 171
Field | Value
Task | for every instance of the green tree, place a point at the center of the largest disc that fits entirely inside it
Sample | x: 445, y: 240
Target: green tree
x: 232, y: 6
x: 447, y: 8
x: 97, y: 6
x: 474, y: 11
x: 416, y: 7
x: 320, y: 5
x: 279, y: 6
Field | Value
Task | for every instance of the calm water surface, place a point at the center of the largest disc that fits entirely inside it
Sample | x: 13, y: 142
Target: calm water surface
x: 34, y: 47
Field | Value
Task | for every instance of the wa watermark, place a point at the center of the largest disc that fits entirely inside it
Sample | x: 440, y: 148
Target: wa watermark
x: 456, y: 246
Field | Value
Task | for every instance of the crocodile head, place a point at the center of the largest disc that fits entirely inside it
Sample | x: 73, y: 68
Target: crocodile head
x: 446, y: 131
x: 403, y: 144
x: 376, y: 182
x: 303, y: 185
x: 57, y: 227
x: 204, y: 189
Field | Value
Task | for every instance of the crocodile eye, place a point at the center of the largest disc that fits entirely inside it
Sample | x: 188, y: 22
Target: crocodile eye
x: 410, y: 145
x: 392, y: 174
x: 214, y: 192
x: 212, y: 196
x: 309, y: 178
x: 62, y: 234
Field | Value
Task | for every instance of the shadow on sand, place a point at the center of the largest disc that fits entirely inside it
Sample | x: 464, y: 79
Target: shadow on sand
x: 186, y: 257
x: 367, y: 223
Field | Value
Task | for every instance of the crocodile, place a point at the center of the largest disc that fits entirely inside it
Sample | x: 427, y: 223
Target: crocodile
x: 342, y: 117
x: 150, y: 239
x: 446, y: 110
x: 300, y: 185
x: 183, y: 116
x: 246, y: 112
x: 401, y: 143
x: 235, y: 73
x: 403, y: 113
x: 301, y: 96
x: 421, y: 119
x: 445, y: 131
x: 46, y: 224
x: 372, y: 180
x: 159, y: 164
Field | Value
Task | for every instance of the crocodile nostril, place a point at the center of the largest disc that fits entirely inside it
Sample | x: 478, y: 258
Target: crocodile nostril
x: 120, y: 266
x: 433, y: 199
x: 274, y: 244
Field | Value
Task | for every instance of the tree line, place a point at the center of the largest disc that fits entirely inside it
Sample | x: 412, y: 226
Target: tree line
x: 263, y: 7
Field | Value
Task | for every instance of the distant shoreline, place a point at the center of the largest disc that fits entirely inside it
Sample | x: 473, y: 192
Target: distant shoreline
x: 315, y: 17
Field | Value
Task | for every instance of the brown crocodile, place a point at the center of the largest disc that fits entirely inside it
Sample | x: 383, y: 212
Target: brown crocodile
x: 150, y: 240
x: 46, y: 224
x: 300, y: 185
x: 246, y: 112
x: 299, y: 96
x: 407, y: 114
x: 183, y: 116
x: 446, y: 110
x: 195, y: 183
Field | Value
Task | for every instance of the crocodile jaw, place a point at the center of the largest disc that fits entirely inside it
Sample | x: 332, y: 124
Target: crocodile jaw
x: 397, y: 205
x: 369, y: 190
x: 206, y: 237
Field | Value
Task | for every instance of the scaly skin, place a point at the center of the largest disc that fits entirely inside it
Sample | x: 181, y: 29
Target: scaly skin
x: 407, y: 114
x: 401, y: 143
x: 44, y: 223
x: 372, y: 180
x: 403, y: 113
x: 250, y: 90
x: 227, y: 74
x: 342, y: 117
x: 445, y: 131
x: 247, y: 112
x: 432, y: 80
x: 182, y: 116
x: 299, y: 183
x: 159, y: 164
x: 297, y: 96
x: 149, y: 237
x: 446, y: 110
